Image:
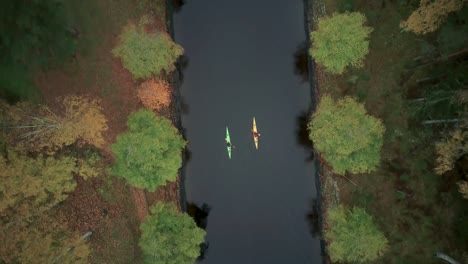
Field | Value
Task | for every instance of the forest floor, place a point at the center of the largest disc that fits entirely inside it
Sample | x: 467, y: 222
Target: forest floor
x: 103, y: 204
x: 407, y: 200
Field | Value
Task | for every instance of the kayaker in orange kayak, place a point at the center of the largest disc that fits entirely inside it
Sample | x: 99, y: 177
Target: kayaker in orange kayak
x: 256, y: 134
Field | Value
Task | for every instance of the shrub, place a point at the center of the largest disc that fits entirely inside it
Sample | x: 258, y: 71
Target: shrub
x: 154, y: 94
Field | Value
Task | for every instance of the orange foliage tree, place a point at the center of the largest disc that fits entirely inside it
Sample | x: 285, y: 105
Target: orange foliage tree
x: 154, y: 94
x: 81, y: 120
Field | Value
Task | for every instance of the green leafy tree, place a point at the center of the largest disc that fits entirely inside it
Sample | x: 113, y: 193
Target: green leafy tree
x: 340, y: 41
x: 353, y: 236
x: 149, y: 154
x: 32, y: 185
x: 430, y: 15
x: 146, y: 54
x: 348, y: 138
x: 170, y: 237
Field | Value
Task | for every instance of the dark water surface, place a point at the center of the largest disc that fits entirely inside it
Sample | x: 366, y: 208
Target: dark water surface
x: 241, y: 63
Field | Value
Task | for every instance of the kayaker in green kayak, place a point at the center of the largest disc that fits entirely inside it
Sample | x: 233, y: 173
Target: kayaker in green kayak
x: 229, y: 143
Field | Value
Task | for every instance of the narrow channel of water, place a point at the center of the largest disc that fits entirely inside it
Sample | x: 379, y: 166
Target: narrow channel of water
x: 240, y: 62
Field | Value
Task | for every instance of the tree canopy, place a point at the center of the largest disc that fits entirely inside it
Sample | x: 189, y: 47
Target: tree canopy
x: 45, y: 240
x: 33, y: 30
x: 154, y: 94
x: 149, y: 154
x: 348, y: 138
x: 146, y: 54
x: 34, y: 184
x: 32, y: 33
x: 170, y: 237
x: 36, y: 129
x: 340, y: 41
x: 430, y: 15
x: 353, y: 236
x: 450, y: 150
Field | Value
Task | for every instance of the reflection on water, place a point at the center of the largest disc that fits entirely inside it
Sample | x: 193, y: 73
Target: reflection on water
x: 301, y: 66
x: 178, y: 5
x: 313, y: 218
x: 182, y: 65
x: 186, y: 152
x: 303, y: 135
x: 200, y: 216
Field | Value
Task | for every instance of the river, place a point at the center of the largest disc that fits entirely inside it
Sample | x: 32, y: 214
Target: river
x: 240, y: 63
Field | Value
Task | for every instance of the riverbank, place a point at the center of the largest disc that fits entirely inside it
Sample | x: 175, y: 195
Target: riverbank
x: 407, y: 200
x: 327, y: 190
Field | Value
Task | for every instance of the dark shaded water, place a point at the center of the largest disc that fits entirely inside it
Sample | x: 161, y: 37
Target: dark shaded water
x: 241, y: 59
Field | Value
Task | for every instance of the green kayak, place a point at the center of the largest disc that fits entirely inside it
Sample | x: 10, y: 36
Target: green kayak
x: 228, y: 142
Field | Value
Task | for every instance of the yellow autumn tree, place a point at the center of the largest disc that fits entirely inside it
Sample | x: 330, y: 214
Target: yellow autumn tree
x: 47, y: 246
x: 29, y: 186
x: 80, y: 120
x: 430, y: 15
x: 450, y: 150
x: 154, y: 94
x: 45, y: 240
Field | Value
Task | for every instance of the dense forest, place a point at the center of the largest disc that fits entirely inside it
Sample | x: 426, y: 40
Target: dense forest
x: 391, y: 128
